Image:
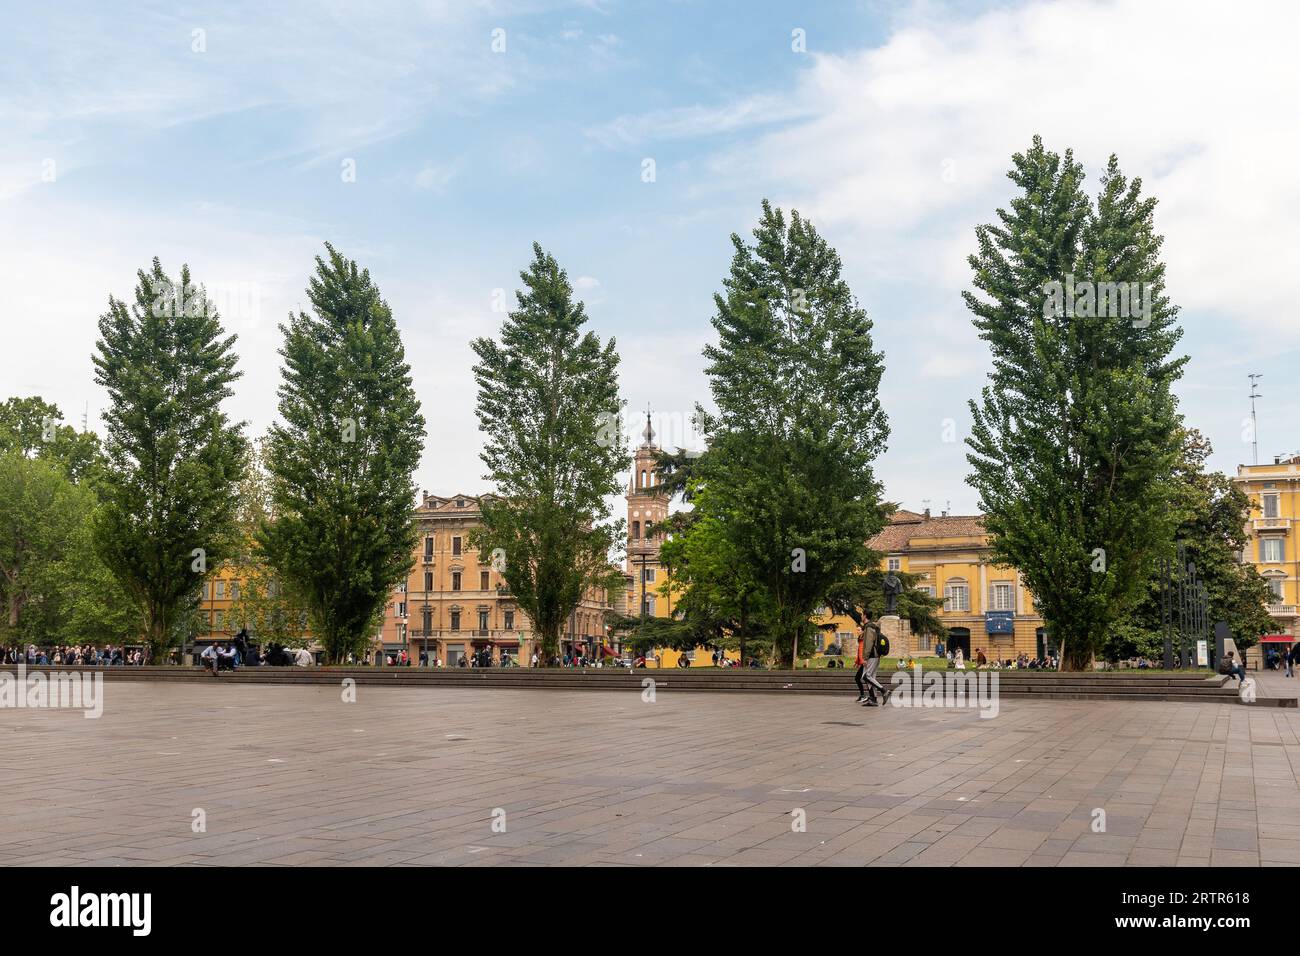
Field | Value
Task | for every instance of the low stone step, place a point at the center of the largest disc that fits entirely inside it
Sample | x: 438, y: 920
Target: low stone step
x: 1190, y: 688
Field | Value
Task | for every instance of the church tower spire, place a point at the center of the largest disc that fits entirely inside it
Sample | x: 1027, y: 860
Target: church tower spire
x: 647, y: 509
x: 649, y: 433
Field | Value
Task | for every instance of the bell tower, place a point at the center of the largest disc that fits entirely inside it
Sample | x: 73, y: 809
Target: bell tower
x: 647, y: 508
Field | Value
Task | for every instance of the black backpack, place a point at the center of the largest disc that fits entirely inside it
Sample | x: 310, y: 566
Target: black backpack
x: 882, y: 645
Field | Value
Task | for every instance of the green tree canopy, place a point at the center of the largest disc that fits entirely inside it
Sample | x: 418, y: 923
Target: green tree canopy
x: 1213, y: 513
x: 547, y: 395
x: 1076, y: 435
x: 341, y: 462
x: 787, y: 480
x: 173, y: 455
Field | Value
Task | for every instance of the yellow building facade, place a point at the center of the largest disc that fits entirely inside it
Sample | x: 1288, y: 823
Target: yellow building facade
x: 986, y: 607
x: 1274, y: 492
x: 452, y: 603
x: 456, y: 602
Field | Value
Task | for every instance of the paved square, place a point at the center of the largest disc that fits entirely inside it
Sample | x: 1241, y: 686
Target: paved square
x: 292, y: 775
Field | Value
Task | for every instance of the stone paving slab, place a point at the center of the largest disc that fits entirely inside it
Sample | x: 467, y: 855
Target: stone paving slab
x: 289, y: 775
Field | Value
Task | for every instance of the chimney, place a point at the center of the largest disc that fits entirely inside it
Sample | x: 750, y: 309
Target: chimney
x: 926, y: 516
x: 1277, y: 459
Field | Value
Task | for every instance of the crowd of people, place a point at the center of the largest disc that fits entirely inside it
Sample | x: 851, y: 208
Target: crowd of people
x: 957, y: 661
x: 87, y: 655
x: 1284, y: 660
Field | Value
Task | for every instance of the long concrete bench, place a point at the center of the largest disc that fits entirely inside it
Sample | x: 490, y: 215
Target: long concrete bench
x: 1190, y: 688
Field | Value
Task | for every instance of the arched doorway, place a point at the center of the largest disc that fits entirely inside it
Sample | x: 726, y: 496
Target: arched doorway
x: 959, y: 637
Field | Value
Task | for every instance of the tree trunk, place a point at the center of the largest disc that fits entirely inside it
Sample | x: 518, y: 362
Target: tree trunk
x: 744, y: 627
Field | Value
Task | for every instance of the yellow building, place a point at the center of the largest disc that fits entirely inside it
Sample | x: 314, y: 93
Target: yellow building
x: 1274, y: 491
x: 452, y: 603
x: 456, y: 603
x: 985, y: 607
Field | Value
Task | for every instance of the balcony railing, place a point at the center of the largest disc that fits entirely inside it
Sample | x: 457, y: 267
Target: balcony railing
x: 1281, y: 610
x: 1271, y: 524
x: 470, y: 634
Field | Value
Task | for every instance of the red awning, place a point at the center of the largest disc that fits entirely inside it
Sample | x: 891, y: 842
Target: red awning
x: 1277, y: 639
x: 607, y: 651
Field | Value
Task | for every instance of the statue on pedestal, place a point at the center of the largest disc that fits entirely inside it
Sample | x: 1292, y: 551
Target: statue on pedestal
x: 893, y: 588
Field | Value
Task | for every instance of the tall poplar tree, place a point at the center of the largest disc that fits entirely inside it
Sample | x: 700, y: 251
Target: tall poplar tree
x: 341, y: 461
x: 788, y: 471
x: 1076, y: 435
x: 547, y: 395
x: 172, y: 454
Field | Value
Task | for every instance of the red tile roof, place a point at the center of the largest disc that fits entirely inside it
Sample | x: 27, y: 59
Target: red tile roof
x: 906, y: 526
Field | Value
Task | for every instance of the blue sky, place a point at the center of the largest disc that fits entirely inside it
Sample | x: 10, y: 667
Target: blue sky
x: 127, y: 134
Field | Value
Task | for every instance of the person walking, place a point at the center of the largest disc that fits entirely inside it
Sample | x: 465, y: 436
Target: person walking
x: 872, y: 646
x: 862, y: 666
x: 1292, y: 658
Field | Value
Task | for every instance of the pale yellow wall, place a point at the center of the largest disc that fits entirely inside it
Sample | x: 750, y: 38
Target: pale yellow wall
x: 1283, y: 481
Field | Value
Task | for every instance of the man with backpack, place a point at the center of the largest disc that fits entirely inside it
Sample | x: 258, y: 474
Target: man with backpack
x: 872, y: 646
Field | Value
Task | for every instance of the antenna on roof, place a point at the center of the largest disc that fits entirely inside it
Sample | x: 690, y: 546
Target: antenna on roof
x: 1254, y: 427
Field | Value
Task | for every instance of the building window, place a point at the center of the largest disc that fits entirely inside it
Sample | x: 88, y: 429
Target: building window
x: 428, y: 580
x: 648, y: 606
x: 428, y: 620
x: 510, y: 620
x: 219, y: 590
x: 648, y: 575
x: 455, y: 580
x: 636, y: 531
x: 1270, y: 506
x: 401, y: 609
x: 895, y: 564
x: 1271, y: 550
x: 956, y: 596
x: 455, y: 620
x: 482, y: 620
x: 455, y: 545
x: 460, y: 502
x: 1002, y: 598
x: 482, y: 580
x: 1275, y: 585
x: 428, y: 547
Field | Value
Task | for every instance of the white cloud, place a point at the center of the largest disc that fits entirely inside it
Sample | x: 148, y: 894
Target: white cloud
x: 904, y: 147
x: 951, y: 365
x: 434, y: 178
x: 690, y: 121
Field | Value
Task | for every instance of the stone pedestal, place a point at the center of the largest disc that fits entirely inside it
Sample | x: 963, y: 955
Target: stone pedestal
x: 899, y: 633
